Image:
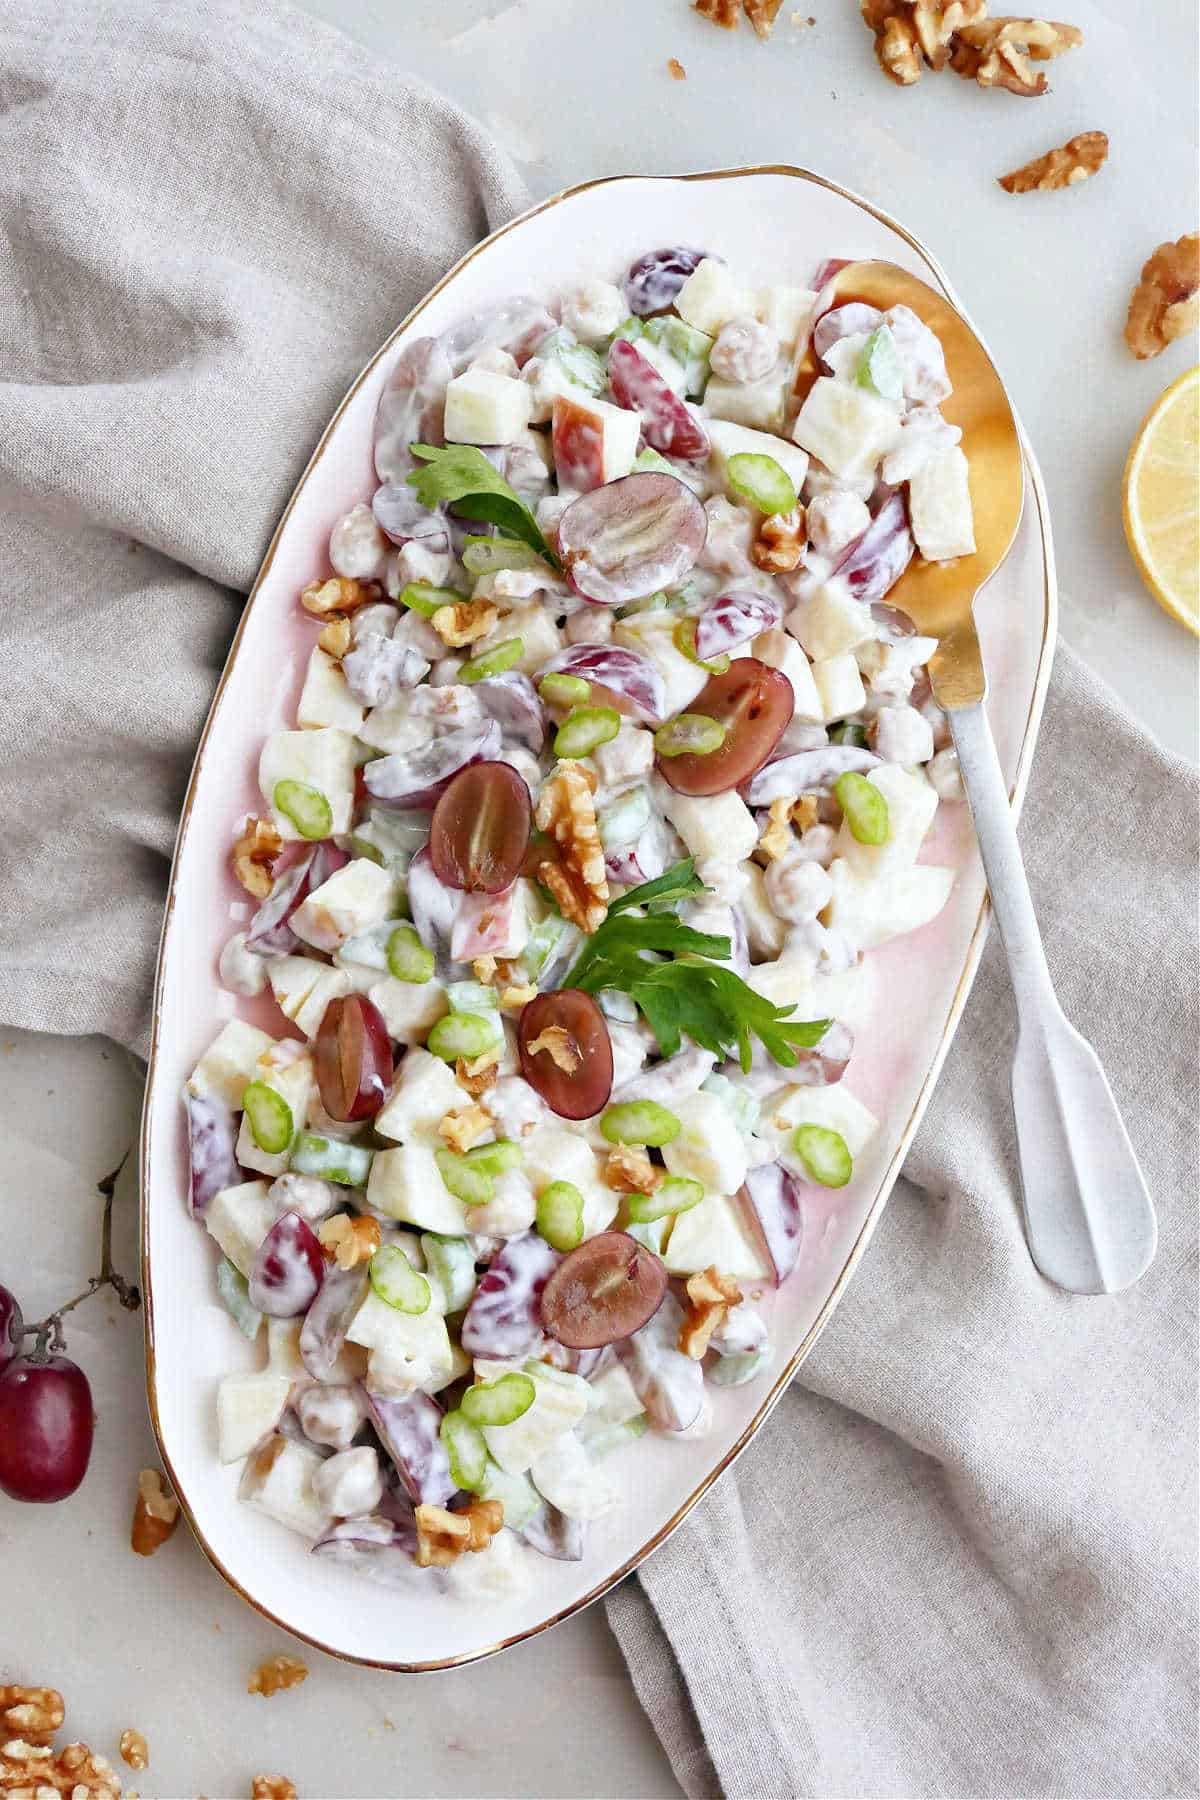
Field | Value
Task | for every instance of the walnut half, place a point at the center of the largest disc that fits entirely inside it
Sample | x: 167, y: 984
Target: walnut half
x: 1077, y: 160
x: 443, y: 1536
x: 711, y: 1298
x: 1001, y: 52
x: 276, y: 1674
x: 36, y: 1772
x: 1166, y: 301
x: 348, y: 1241
x: 155, y: 1513
x: 31, y: 1713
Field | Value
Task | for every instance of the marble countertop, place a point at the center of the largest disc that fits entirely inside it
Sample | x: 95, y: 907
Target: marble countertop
x: 575, y: 91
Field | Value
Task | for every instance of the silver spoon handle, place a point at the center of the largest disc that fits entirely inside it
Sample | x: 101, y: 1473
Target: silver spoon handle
x: 1089, y: 1219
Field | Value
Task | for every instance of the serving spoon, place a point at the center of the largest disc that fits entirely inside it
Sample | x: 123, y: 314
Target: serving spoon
x: 1089, y: 1219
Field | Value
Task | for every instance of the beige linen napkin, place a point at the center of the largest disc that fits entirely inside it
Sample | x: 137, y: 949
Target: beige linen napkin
x: 960, y: 1558
x: 211, y: 215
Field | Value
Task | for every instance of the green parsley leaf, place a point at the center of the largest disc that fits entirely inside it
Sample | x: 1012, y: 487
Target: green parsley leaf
x: 462, y: 477
x: 673, y: 975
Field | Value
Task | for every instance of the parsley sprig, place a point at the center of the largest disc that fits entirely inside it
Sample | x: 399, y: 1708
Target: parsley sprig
x: 462, y: 477
x: 672, y: 973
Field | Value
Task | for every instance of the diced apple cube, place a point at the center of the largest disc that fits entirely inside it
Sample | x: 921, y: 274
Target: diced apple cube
x: 652, y: 633
x: 712, y: 295
x: 354, y: 898
x: 612, y: 1398
x: 713, y: 1235
x: 482, y: 408
x: 786, y: 981
x: 717, y: 826
x: 410, y: 1009
x: 594, y: 441
x: 303, y: 989
x: 869, y: 912
x: 239, y: 1218
x: 833, y: 1107
x: 248, y: 1408
x: 325, y: 698
x: 730, y: 439
x: 831, y: 621
x: 839, y: 687
x: 847, y: 995
x: 555, y: 1154
x: 765, y: 930
x: 779, y: 650
x: 406, y: 1184
x: 228, y: 1063
x: 566, y: 1476
x: 560, y: 1401
x: 324, y: 758
x: 278, y: 1481
x: 911, y: 804
x: 409, y: 1352
x: 939, y: 500
x: 492, y: 924
x: 287, y: 1068
x: 492, y: 1574
x: 709, y: 1148
x: 283, y: 1349
x: 787, y: 310
x: 760, y: 404
x: 535, y: 626
x: 847, y: 428
x: 424, y: 1092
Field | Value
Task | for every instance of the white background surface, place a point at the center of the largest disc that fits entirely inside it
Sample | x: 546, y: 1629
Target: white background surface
x: 575, y: 89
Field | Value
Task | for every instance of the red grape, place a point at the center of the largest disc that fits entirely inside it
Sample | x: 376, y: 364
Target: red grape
x: 754, y: 703
x: 12, y: 1328
x: 656, y: 278
x: 401, y: 517
x: 480, y: 829
x: 843, y: 321
x: 808, y: 771
x: 733, y: 619
x: 572, y: 1065
x: 408, y: 1430
x: 288, y: 1269
x: 45, y: 1428
x: 354, y: 1059
x: 667, y: 425
x: 504, y: 1317
x: 629, y: 680
x: 411, y: 407
x: 631, y: 537
x: 414, y: 779
x: 874, y: 564
x: 603, y: 1291
x: 771, y: 1204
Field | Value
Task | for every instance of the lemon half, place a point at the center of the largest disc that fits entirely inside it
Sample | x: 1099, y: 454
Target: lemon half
x: 1161, y: 500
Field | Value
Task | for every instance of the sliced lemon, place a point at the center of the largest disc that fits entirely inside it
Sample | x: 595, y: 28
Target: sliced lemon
x: 1161, y: 500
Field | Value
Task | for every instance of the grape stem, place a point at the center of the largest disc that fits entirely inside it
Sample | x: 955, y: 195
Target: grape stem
x: 48, y: 1332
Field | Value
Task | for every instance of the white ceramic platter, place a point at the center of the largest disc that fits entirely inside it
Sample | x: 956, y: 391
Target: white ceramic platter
x: 775, y: 225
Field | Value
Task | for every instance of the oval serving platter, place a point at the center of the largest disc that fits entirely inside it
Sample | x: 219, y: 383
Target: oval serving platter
x: 774, y: 224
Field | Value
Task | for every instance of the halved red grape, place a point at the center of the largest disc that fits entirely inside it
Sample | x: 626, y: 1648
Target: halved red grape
x: 770, y: 1202
x: 733, y: 619
x: 12, y: 1328
x: 504, y: 1317
x: 754, y: 703
x: 667, y: 425
x: 411, y: 780
x: 288, y: 1269
x: 873, y: 565
x: 631, y: 537
x: 814, y: 770
x: 629, y: 679
x: 566, y: 1054
x: 480, y: 829
x: 411, y: 407
x: 353, y: 1057
x: 45, y: 1428
x: 843, y: 321
x: 603, y: 1291
x: 654, y: 279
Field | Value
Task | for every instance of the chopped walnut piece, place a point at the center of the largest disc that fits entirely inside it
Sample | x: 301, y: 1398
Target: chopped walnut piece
x: 724, y: 13
x: 1166, y: 301
x: 155, y: 1513
x: 275, y: 1674
x: 512, y: 999
x: 272, y: 1787
x: 675, y: 69
x: 630, y: 1171
x: 781, y: 540
x: 253, y: 856
x: 935, y: 23
x: 778, y: 838
x: 484, y: 970
x: 348, y: 1241
x: 336, y: 638
x: 134, y: 1749
x: 1078, y: 159
x: 762, y: 15
x: 578, y: 879
x: 464, y: 622
x: 896, y: 45
x: 711, y: 1298
x: 806, y: 811
x: 442, y: 1536
x: 560, y: 1046
x: 1000, y: 52
x: 477, y: 1074
x: 465, y: 1128
x: 31, y: 1713
x: 338, y: 595
x: 36, y: 1772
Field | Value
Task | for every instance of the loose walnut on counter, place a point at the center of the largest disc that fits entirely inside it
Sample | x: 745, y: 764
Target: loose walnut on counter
x: 155, y: 1513
x: 1078, y: 159
x: 276, y: 1674
x: 37, y: 1772
x: 272, y: 1787
x: 1001, y: 52
x: 31, y: 1713
x: 134, y: 1749
x: 1166, y: 301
